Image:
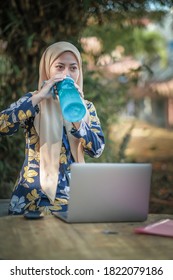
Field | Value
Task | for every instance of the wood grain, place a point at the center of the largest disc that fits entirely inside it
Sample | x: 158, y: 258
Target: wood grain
x: 51, y: 238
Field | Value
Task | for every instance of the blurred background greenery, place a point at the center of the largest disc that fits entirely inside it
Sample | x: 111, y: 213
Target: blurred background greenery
x: 118, y: 48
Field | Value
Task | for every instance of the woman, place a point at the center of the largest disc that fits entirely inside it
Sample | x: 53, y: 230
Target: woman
x: 52, y: 144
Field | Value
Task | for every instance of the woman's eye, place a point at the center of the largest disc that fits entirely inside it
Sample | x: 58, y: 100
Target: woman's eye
x: 74, y: 68
x: 59, y: 67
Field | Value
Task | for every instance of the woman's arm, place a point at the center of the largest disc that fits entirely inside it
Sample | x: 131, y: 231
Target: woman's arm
x: 25, y: 107
x: 16, y: 114
x: 91, y: 136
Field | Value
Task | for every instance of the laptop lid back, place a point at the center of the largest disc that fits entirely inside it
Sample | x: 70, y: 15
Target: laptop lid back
x: 109, y: 192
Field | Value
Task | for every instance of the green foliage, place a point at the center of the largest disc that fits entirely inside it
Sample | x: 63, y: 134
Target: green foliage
x: 11, y: 159
x: 136, y: 40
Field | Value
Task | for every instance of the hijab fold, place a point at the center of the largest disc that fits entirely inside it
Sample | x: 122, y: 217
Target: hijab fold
x: 49, y: 123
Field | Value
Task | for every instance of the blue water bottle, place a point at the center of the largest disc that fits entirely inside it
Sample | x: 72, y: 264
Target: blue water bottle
x: 73, y: 109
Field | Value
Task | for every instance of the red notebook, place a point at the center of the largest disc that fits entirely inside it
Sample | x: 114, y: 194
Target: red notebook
x: 162, y: 227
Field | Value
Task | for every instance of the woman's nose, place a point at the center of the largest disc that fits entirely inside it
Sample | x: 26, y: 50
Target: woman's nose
x: 66, y: 72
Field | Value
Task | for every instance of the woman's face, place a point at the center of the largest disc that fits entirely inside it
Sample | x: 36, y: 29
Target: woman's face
x: 65, y: 64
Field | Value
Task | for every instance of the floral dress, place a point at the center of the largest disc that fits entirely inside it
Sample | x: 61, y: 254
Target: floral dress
x: 27, y: 193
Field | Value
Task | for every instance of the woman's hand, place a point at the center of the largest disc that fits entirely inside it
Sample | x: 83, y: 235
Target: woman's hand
x: 45, y: 92
x: 79, y: 89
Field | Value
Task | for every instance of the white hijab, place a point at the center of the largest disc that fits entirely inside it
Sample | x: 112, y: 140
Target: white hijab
x: 49, y: 123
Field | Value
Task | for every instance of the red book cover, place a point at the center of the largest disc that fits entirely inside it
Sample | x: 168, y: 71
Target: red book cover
x: 162, y: 227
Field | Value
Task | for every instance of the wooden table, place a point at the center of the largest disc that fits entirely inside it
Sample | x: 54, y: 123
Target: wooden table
x: 50, y: 238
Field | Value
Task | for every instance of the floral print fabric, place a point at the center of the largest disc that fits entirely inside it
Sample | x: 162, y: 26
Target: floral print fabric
x: 27, y: 193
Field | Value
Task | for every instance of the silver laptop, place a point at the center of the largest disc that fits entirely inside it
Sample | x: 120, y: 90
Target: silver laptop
x: 108, y: 192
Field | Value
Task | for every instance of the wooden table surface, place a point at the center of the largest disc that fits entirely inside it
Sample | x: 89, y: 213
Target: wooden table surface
x: 50, y: 238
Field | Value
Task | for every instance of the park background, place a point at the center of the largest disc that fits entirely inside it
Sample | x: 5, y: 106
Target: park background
x: 127, y: 51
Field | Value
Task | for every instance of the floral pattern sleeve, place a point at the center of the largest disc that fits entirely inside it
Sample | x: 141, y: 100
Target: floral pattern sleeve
x: 16, y: 115
x: 91, y: 136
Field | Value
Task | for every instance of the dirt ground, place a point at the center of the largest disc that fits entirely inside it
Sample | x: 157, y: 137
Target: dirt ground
x: 136, y: 141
